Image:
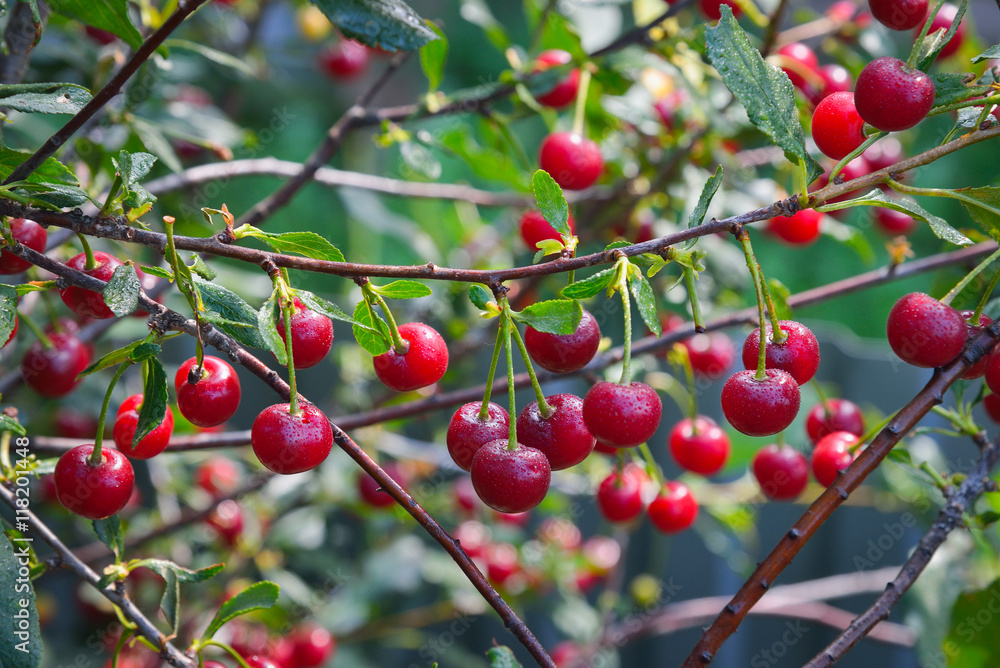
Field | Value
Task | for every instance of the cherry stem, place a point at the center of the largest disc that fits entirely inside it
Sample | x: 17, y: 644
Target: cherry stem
x: 484, y: 412
x: 543, y: 406
x: 824, y: 402
x: 873, y: 431
x: 835, y: 172
x: 185, y: 289
x: 37, y: 331
x: 223, y: 646
x: 96, y: 457
x: 689, y: 281
x: 91, y: 260
x: 968, y: 278
x: 581, y: 100
x: 778, y: 335
x: 681, y: 352
x: 286, y: 315
x: 112, y: 192
x: 984, y: 299
x: 400, y: 345
x: 622, y: 287
x: 651, y: 465
x: 911, y: 60
x: 505, y: 325
x: 754, y: 268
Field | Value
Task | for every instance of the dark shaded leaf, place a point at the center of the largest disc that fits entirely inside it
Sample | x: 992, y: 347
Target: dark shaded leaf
x: 385, y: 24
x: 227, y: 311
x: 45, y: 98
x: 267, y: 319
x: 8, y: 310
x: 989, y: 54
x: 109, y: 15
x: 973, y: 638
x: 110, y: 532
x: 935, y: 42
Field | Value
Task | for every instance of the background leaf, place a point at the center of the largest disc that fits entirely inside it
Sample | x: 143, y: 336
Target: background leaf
x: 707, y: 193
x: 45, y: 98
x: 257, y: 596
x: 432, y: 58
x: 557, y: 316
x: 391, y: 25
x: 502, y: 657
x: 110, y: 15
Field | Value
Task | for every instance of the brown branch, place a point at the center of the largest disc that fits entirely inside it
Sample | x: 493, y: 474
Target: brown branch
x: 867, y: 461
x: 144, y: 626
x: 21, y: 35
x: 184, y: 9
x: 947, y: 520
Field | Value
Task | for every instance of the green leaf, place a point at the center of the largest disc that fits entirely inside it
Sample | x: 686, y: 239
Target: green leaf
x: 157, y: 271
x: 257, y: 596
x: 589, y: 286
x: 19, y: 648
x: 225, y: 310
x: 779, y: 295
x: 267, y: 319
x: 951, y: 87
x: 642, y: 291
x: 137, y: 350
x: 110, y: 532
x: 45, y: 98
x: 480, y: 296
x: 110, y: 15
x: 876, y: 197
x: 154, y: 140
x: 322, y: 306
x: 432, y: 58
x: 8, y: 423
x: 132, y: 168
x: 170, y: 602
x: 548, y: 247
x: 551, y: 202
x: 989, y: 54
x: 390, y: 25
x: 121, y: 293
x: 621, y: 243
x: 240, y: 66
x: 502, y: 657
x: 403, y: 290
x: 983, y: 205
x: 52, y: 196
x: 199, y: 267
x: 154, y: 400
x: 161, y: 566
x: 934, y: 42
x: 764, y: 90
x: 8, y: 310
x: 307, y: 244
x: 557, y: 316
x: 973, y: 639
x: 368, y: 337
x: 707, y: 193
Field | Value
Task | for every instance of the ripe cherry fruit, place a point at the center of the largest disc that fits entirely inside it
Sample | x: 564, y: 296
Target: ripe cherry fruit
x: 891, y: 96
x: 94, y: 492
x: 29, y: 233
x: 534, y: 229
x: 979, y: 368
x: 674, y: 509
x: 562, y: 353
x: 564, y: 92
x: 87, y: 302
x: 622, y: 416
x: 289, y: 443
x: 799, y: 62
x: 510, y: 481
x: 781, y: 471
x: 760, y: 407
x: 217, y: 475
x: 699, y: 445
x: 467, y: 433
x: 924, y: 332
x: 572, y: 160
x: 798, y: 354
x: 834, y: 415
x: 312, y: 335
x: 52, y: 372
x: 215, y: 396
x: 126, y: 422
x: 562, y: 437
x: 832, y: 455
x: 837, y: 127
x: 836, y: 79
x: 711, y: 8
x: 314, y: 645
x: 346, y: 59
x: 373, y: 494
x: 799, y: 229
x: 423, y: 363
x: 711, y: 354
x: 619, y: 496
x: 899, y: 14
x: 227, y: 521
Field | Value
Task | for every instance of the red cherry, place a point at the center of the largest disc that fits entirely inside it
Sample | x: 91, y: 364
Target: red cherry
x: 836, y: 79
x: 473, y: 537
x: 94, y: 492
x: 798, y: 62
x: 346, y: 59
x: 573, y: 161
x: 467, y: 433
x: 562, y: 353
x: 562, y: 437
x: 567, y: 654
x: 312, y: 335
x: 217, y: 475
x: 622, y: 415
x: 29, y: 233
x: 781, y: 471
x: 501, y: 562
x: 711, y: 8
x: 760, y: 407
x: 126, y: 422
x: 674, y: 509
x: 619, y: 497
x: 214, y: 398
x: 102, y: 37
x: 978, y: 369
x: 891, y: 96
x: 227, y: 520
x: 314, y: 646
x: 832, y: 455
x: 87, y: 302
x: 370, y: 491
x: 837, y: 127
x: 899, y: 14
x: 510, y: 481
x: 287, y: 443
x: 798, y: 355
x: 835, y: 415
x: 699, y: 445
x: 799, y: 229
x: 924, y: 332
x: 991, y: 404
x: 992, y: 375
x: 945, y: 17
x: 666, y: 107
x: 534, y: 228
x: 258, y: 661
x: 564, y: 92
x: 711, y: 354
x: 423, y: 363
x: 52, y: 372
x: 894, y: 222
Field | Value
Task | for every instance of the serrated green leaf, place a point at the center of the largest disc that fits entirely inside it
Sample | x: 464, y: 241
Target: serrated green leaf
x: 589, y: 286
x: 983, y: 205
x: 258, y: 596
x: 951, y: 87
x: 154, y: 400
x: 368, y: 337
x: 935, y: 42
x: 51, y: 172
x: 45, y: 98
x: 306, y: 244
x: 8, y: 423
x: 765, y: 91
x: 432, y: 58
x: 391, y: 25
x: 480, y: 296
x: 991, y: 53
x: 110, y: 532
x: 199, y: 267
x: 705, y: 199
x: 109, y: 15
x: 557, y: 316
x: 642, y: 291
x: 22, y: 650
x: 502, y: 657
x: 121, y: 293
x: 132, y: 168
x: 403, y: 290
x: 876, y: 197
x: 620, y: 243
x: 8, y: 311
x: 551, y: 202
x: 267, y: 319
x: 229, y: 308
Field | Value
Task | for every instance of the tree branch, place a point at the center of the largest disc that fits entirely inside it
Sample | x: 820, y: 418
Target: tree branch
x: 20, y: 35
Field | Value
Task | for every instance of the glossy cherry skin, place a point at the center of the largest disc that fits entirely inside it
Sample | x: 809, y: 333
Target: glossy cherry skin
x: 760, y: 407
x: 345, y: 60
x: 287, y: 443
x: 699, y: 445
x: 924, y: 332
x: 423, y: 363
x: 832, y: 455
x: 781, y: 471
x: 711, y: 354
x: 899, y: 14
x: 562, y: 353
x: 53, y: 372
x: 564, y: 92
x: 837, y: 127
x: 562, y: 437
x: 314, y: 646
x: 835, y: 415
x: 945, y: 17
x: 125, y: 425
x: 534, y: 228
x: 978, y: 369
x: 674, y: 509
x: 622, y: 416
x: 799, y: 57
x: 799, y: 229
x: 467, y: 433
x: 572, y: 160
x: 312, y: 336
x: 619, y: 497
x: 372, y: 493
x: 798, y: 354
x: 214, y: 398
x: 94, y: 492
x: 510, y: 481
x: 711, y: 8
x: 30, y: 234
x: 891, y: 96
x: 87, y: 302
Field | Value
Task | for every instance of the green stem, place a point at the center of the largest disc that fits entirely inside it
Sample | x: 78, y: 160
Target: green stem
x: 682, y: 352
x: 232, y: 652
x: 954, y: 292
x: 654, y: 469
x: 484, y: 412
x: 911, y: 60
x: 543, y: 406
x: 855, y: 153
x: 506, y: 325
x: 778, y: 335
x: 955, y: 106
x: 8, y: 467
x: 689, y: 281
x: 36, y: 330
x: 872, y: 431
x: 91, y: 261
x: 581, y: 100
x: 399, y: 344
x: 112, y: 193
x: 984, y: 299
x: 170, y: 254
x: 96, y: 457
x: 286, y: 314
x: 571, y: 277
x: 761, y: 315
x: 802, y: 176
x: 626, y: 378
